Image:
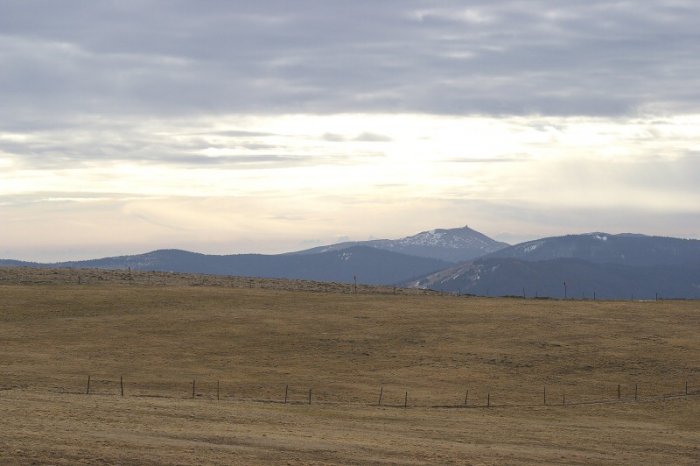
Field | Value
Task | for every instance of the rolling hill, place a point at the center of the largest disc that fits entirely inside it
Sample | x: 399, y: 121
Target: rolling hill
x: 370, y: 265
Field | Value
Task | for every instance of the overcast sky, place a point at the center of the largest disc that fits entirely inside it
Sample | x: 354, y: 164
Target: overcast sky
x: 269, y: 126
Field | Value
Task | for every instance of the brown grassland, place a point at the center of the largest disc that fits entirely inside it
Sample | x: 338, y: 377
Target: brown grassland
x: 243, y: 341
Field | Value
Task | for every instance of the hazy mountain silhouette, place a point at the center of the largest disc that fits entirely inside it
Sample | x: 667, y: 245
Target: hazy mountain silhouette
x: 604, y: 248
x: 611, y: 266
x: 453, y: 245
x: 369, y: 265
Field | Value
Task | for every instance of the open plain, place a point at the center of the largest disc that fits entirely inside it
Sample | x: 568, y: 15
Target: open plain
x: 195, y: 370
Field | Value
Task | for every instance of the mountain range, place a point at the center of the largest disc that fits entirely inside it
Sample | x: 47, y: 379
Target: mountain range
x: 461, y: 260
x: 367, y: 265
x: 375, y: 262
x: 603, y: 248
x: 590, y: 265
x: 452, y: 245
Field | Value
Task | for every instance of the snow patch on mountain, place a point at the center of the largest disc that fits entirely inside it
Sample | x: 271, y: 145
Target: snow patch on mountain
x: 458, y: 238
x: 531, y: 247
x: 452, y: 245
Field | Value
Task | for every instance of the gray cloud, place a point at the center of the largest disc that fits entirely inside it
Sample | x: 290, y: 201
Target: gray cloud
x: 476, y: 57
x: 43, y: 155
x: 372, y: 137
x: 239, y: 134
x: 332, y: 137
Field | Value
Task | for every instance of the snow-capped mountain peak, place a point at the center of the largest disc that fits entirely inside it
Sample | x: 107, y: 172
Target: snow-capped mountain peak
x: 456, y: 238
x: 454, y: 245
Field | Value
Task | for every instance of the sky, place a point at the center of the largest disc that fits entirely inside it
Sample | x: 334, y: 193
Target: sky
x: 234, y: 126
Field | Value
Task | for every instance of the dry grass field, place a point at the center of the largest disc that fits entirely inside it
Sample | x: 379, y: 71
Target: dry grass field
x: 243, y: 341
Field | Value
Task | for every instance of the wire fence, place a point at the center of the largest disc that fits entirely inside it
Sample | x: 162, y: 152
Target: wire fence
x: 390, y: 396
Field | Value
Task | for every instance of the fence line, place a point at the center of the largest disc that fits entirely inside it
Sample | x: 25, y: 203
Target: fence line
x: 500, y: 401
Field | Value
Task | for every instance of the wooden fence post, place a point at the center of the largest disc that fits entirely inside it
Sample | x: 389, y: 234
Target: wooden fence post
x: 618, y: 392
x: 466, y: 398
x: 636, y: 391
x: 286, y: 390
x: 194, y: 381
x: 488, y: 400
x: 381, y: 392
x: 309, y: 396
x: 121, y: 384
x: 405, y: 401
x: 544, y: 395
x: 217, y: 390
x: 87, y: 391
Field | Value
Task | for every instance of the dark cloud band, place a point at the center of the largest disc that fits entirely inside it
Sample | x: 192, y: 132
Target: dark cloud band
x: 476, y: 57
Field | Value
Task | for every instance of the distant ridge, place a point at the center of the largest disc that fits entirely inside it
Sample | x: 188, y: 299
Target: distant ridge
x: 584, y: 280
x: 604, y: 248
x: 452, y: 245
x: 608, y: 266
x: 370, y: 266
x: 621, y: 266
x: 377, y: 262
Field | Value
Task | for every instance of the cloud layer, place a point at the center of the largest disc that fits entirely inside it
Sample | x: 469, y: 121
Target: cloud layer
x: 477, y: 57
x: 127, y: 125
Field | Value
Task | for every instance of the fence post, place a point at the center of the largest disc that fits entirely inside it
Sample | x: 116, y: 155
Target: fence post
x: 87, y: 391
x: 121, y: 384
x: 309, y: 396
x: 217, y: 390
x: 636, y: 389
x: 405, y: 401
x: 686, y: 388
x: 286, y: 389
x: 544, y: 395
x: 381, y: 392
x: 618, y: 392
x: 488, y: 400
x: 193, y: 387
x: 466, y: 398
